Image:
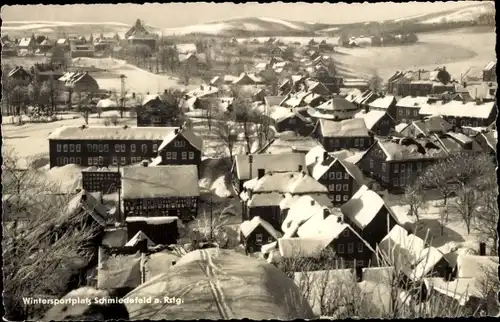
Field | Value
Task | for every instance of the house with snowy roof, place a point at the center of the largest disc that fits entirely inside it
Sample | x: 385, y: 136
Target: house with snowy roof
x: 489, y: 72
x: 104, y: 145
x: 262, y: 195
x: 27, y: 44
x: 396, y: 162
x: 420, y: 82
x: 377, y: 122
x: 430, y: 125
x: 386, y: 103
x: 296, y: 209
x: 289, y: 143
x: 341, y: 177
x: 407, y: 109
x: 370, y: 216
x: 156, y: 112
x: 257, y: 232
x: 181, y: 147
x: 155, y: 191
x: 345, y: 134
x: 461, y: 113
x: 160, y: 230
x: 18, y: 75
x: 287, y: 119
x: 412, y: 256
x: 245, y: 167
x: 139, y: 34
x: 454, y: 142
x: 488, y: 140
x: 335, y: 109
x: 291, y: 84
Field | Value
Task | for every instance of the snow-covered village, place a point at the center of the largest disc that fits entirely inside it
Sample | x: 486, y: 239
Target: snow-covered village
x: 290, y: 161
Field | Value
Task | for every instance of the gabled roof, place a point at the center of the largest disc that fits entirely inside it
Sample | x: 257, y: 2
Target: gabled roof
x: 25, y: 42
x: 140, y: 236
x: 289, y: 144
x: 364, y: 205
x: 337, y: 104
x: 248, y: 226
x: 291, y: 182
x: 301, y: 208
x: 160, y: 182
x: 491, y: 139
x: 109, y: 133
x: 383, y: 102
x: 262, y: 199
x: 460, y: 109
x: 193, y: 139
x: 244, y: 77
x: 203, y: 91
x: 268, y: 162
x: 273, y: 100
x: 320, y: 168
x: 360, y: 99
x: 412, y: 101
x: 396, y: 151
x: 371, y: 118
x: 491, y: 65
x: 90, y: 205
x: 18, y: 70
x: 432, y: 124
x: 344, y: 128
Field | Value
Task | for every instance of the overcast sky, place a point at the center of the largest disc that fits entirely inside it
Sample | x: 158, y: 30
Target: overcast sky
x: 182, y: 14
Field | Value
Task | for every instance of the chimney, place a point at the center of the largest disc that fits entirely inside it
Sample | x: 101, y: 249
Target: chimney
x: 300, y: 167
x: 133, y: 95
x: 176, y: 131
x: 313, y: 202
x: 260, y: 173
x: 359, y: 274
x: 325, y: 155
x: 482, y: 249
x: 326, y: 213
x: 419, y: 73
x: 145, y: 163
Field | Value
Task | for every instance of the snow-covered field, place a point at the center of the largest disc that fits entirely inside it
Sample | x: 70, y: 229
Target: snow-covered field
x: 457, y: 50
x: 137, y: 80
x: 465, y: 14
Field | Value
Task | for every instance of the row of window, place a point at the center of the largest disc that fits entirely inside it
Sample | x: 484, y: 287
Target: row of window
x: 409, y: 112
x: 336, y: 175
x: 68, y: 160
x: 184, y: 155
x: 165, y: 202
x: 103, y: 148
x: 258, y: 239
x: 339, y: 198
x: 350, y: 248
x: 357, y: 142
x: 403, y: 167
x: 338, y: 187
x: 453, y: 121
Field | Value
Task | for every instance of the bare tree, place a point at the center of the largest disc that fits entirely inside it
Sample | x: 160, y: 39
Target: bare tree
x: 244, y: 114
x: 226, y: 132
x: 487, y: 217
x: 439, y: 176
x: 376, y: 82
x: 42, y: 244
x: 414, y: 198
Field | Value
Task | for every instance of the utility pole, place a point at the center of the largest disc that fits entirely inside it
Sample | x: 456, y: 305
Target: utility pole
x: 211, y: 220
x: 120, y: 219
x: 122, y: 94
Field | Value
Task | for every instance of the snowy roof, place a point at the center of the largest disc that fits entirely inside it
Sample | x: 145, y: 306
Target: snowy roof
x: 460, y: 289
x: 25, y: 42
x: 162, y: 220
x: 371, y: 118
x: 291, y: 182
x: 273, y: 100
x: 460, y: 109
x: 321, y: 167
x: 400, y: 127
x: 491, y: 139
x: 352, y: 94
x: 337, y: 104
x: 91, y: 205
x: 281, y: 113
x: 195, y: 140
x: 265, y: 249
x: 319, y: 198
x: 149, y: 98
x: 160, y: 182
x: 364, y: 205
x: 302, y: 209
x: 106, y: 103
x: 263, y: 199
x: 344, y: 128
x: 203, y: 91
x: 409, y: 252
x: 109, y: 133
x: 398, y: 152
x: 248, y: 226
x: 268, y: 162
x: 491, y: 65
x: 432, y: 124
x: 383, y: 102
x: 296, y: 99
x: 412, y: 101
x: 61, y: 41
x: 469, y: 266
x: 261, y: 65
x: 360, y: 98
x: 140, y: 236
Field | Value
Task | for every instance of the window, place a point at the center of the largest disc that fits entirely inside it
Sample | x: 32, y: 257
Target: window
x: 78, y: 160
x: 180, y: 144
x: 337, y: 198
x: 132, y: 148
x: 89, y: 161
x: 331, y: 175
x: 58, y: 148
x: 155, y: 147
x: 360, y: 247
x: 331, y: 187
x: 403, y: 167
x: 337, y: 142
x: 371, y: 164
x: 270, y: 239
x: 339, y: 175
x: 174, y: 155
x: 346, y: 176
x: 345, y: 233
x: 72, y: 160
x: 350, y: 248
x: 117, y: 148
x: 66, y: 160
x: 123, y: 147
x: 476, y: 124
x: 123, y: 160
x: 169, y: 155
x: 65, y: 148
x: 401, y: 112
x: 419, y: 166
x: 191, y: 155
x: 396, y: 167
x: 78, y: 148
x: 258, y: 238
x: 415, y: 113
x: 384, y: 179
x: 408, y: 112
x: 345, y: 198
x: 341, y: 248
x: 356, y: 142
x: 95, y: 148
x: 332, y: 141
x: 106, y: 148
x: 395, y: 182
x: 345, y: 187
x: 115, y: 161
x: 59, y: 161
x: 144, y: 148
x: 184, y: 155
x: 361, y: 142
x: 292, y: 121
x: 101, y: 161
x: 96, y: 160
x: 338, y: 187
x: 384, y: 167
x: 71, y: 148
x: 101, y: 148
